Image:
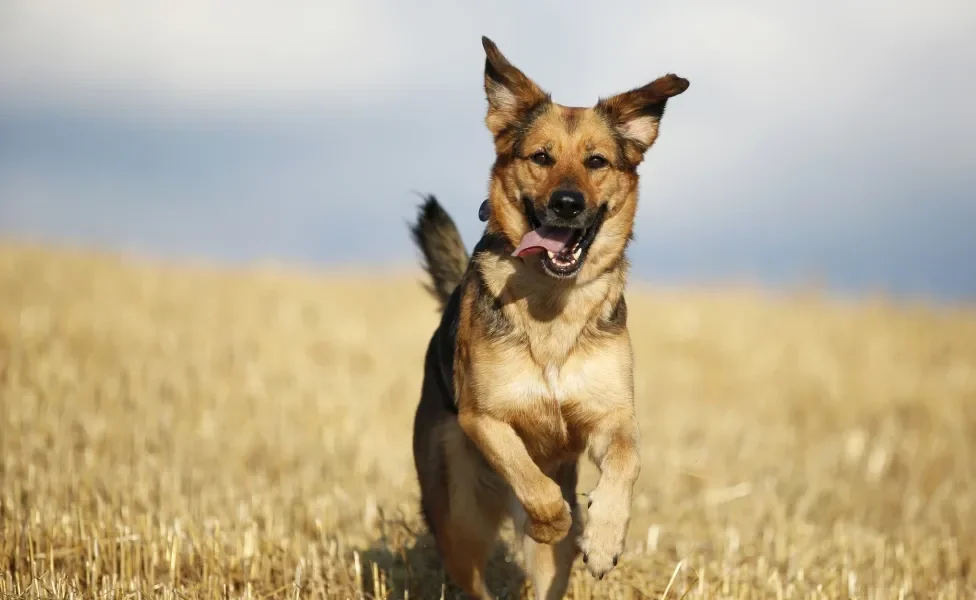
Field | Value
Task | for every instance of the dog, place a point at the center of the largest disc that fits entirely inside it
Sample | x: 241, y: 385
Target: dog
x: 531, y: 364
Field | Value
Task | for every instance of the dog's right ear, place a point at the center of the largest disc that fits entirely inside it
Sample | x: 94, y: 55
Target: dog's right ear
x: 511, y: 95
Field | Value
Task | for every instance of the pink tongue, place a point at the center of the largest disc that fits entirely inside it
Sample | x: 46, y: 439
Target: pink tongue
x: 553, y: 239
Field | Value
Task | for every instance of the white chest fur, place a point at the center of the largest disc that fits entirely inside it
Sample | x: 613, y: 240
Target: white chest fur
x: 597, y: 379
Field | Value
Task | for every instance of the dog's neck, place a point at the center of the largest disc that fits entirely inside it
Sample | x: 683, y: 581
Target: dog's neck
x: 543, y: 298
x: 551, y: 317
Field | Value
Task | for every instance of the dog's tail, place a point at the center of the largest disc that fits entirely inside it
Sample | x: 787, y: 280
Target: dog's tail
x: 444, y: 257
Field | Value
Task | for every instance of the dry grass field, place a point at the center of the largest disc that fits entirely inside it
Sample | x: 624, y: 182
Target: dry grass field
x: 185, y: 432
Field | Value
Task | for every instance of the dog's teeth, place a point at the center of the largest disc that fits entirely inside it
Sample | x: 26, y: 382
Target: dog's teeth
x: 551, y: 255
x: 577, y: 253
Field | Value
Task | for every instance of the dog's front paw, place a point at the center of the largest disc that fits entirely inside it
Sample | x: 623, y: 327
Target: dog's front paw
x: 550, y: 519
x: 550, y: 531
x: 606, y: 529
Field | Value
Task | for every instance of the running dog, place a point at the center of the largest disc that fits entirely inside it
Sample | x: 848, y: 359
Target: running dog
x: 531, y: 365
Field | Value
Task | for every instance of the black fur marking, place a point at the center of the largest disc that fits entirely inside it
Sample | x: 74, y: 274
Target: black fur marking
x: 443, y: 348
x: 622, y: 163
x: 444, y: 256
x: 526, y: 122
x: 488, y: 311
x: 655, y: 109
x: 616, y: 322
x: 490, y: 243
x: 494, y: 74
x: 528, y: 207
x: 516, y: 131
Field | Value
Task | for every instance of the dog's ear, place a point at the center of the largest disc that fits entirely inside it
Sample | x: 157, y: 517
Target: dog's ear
x: 635, y: 115
x: 511, y: 95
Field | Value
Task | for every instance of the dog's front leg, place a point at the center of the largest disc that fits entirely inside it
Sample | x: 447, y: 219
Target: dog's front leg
x: 549, y: 514
x: 614, y: 448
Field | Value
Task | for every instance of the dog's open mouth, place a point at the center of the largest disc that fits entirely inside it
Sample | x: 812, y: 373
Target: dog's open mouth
x: 563, y: 249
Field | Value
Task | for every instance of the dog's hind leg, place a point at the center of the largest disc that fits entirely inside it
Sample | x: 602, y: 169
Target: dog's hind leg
x: 474, y: 502
x: 465, y: 551
x: 549, y: 566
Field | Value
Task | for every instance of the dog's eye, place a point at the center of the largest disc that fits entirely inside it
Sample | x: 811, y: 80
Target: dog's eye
x: 541, y: 158
x: 596, y: 162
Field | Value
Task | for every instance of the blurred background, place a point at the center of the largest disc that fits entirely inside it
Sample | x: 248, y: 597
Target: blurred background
x: 830, y: 141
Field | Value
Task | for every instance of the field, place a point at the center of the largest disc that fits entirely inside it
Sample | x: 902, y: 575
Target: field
x: 181, y: 431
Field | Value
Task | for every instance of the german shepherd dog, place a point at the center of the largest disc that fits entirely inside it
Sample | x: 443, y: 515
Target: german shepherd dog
x: 531, y: 365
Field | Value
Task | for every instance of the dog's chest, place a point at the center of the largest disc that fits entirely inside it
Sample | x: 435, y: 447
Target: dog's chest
x: 555, y: 369
x: 562, y: 386
x: 554, y: 405
x: 558, y: 403
x: 540, y: 402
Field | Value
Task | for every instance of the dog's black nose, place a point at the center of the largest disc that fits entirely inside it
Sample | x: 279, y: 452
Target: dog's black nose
x: 566, y: 203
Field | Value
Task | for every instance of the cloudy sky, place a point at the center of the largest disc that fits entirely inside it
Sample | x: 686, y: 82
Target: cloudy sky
x: 831, y: 140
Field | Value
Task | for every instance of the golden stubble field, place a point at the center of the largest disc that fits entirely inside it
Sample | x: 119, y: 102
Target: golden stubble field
x: 185, y: 432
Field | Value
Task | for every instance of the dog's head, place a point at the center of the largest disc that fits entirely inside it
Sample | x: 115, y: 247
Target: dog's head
x: 564, y: 183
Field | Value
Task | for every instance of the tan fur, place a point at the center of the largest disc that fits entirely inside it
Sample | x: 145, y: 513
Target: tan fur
x: 542, y: 367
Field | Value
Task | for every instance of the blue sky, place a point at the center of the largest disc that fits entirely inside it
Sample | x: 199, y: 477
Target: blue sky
x: 830, y: 140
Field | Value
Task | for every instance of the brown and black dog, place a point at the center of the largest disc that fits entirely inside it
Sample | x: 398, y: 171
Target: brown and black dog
x: 531, y: 365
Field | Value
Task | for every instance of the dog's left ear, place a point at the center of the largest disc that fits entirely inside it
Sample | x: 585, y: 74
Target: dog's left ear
x: 635, y: 115
x: 511, y: 94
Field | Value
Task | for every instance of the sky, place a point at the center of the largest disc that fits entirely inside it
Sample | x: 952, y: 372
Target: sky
x: 830, y: 141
